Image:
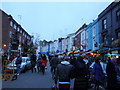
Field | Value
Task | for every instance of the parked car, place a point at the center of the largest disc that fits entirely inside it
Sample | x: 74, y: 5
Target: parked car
x: 25, y: 65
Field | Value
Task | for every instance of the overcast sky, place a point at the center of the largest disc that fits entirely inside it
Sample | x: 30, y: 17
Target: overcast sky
x: 53, y: 20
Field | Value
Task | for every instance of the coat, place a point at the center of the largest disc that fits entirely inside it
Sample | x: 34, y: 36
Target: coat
x: 54, y: 62
x: 112, y: 74
x: 64, y: 72
x: 81, y: 76
x: 98, y: 72
x: 44, y: 62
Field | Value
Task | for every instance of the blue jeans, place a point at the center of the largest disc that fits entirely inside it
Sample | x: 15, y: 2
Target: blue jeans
x: 18, y: 68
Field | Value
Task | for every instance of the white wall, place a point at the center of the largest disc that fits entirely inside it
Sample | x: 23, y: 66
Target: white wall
x: 82, y: 38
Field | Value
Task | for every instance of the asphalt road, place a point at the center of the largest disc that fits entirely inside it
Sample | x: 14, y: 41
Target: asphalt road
x: 30, y: 80
x: 33, y: 80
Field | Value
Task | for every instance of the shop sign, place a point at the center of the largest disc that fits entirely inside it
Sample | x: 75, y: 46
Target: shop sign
x: 115, y: 52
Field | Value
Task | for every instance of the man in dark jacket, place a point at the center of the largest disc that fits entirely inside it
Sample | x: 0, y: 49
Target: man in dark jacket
x: 64, y: 72
x: 111, y: 71
x: 53, y: 63
x: 72, y: 59
x: 33, y: 62
x: 18, y: 63
x: 80, y: 74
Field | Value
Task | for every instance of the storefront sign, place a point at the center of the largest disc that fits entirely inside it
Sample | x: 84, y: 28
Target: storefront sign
x: 115, y: 52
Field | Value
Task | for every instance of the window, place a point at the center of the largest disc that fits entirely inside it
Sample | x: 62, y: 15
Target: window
x: 10, y: 34
x: 86, y: 34
x: 118, y: 15
x: 20, y: 38
x: 94, y: 31
x: 21, y: 31
x: 15, y: 27
x: 118, y: 34
x: 18, y: 29
x: 104, y: 24
x: 82, y: 36
x: 11, y: 23
x: 25, y: 35
x: 105, y: 40
x: 23, y: 41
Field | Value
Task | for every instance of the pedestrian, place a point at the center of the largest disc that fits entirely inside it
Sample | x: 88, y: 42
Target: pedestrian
x: 63, y: 74
x: 80, y: 74
x: 43, y: 62
x: 38, y: 62
x: 33, y: 62
x: 111, y: 71
x: 118, y: 73
x: 72, y: 58
x: 86, y: 60
x: 53, y: 63
x: 98, y: 73
x: 18, y: 63
x: 11, y: 57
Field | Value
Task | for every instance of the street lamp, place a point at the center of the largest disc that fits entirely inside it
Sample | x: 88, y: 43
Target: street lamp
x: 4, y: 45
x: 19, y: 45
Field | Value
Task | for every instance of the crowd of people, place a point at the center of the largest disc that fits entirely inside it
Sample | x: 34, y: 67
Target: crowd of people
x: 86, y: 71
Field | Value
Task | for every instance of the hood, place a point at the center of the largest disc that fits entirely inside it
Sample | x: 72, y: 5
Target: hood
x: 65, y: 62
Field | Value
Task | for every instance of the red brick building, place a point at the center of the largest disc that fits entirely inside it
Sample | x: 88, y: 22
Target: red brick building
x: 77, y: 40
x: 14, y: 37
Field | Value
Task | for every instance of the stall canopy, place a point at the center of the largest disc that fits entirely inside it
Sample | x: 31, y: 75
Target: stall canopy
x: 47, y: 53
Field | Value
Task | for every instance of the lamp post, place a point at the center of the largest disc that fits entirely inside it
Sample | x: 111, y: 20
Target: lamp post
x: 4, y: 45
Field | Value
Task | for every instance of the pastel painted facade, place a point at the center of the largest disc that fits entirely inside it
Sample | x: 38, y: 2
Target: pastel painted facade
x: 63, y: 45
x: 70, y: 42
x: 60, y: 45
x: 51, y: 47
x: 95, y: 35
x: 56, y: 46
x: 88, y: 37
x: 83, y: 41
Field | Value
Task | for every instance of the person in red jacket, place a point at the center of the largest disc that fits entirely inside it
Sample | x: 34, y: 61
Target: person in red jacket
x: 43, y: 63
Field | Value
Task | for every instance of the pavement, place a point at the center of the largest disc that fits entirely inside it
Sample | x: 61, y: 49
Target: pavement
x: 33, y: 80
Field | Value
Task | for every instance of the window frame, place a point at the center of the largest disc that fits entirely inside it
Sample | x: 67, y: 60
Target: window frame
x: 11, y: 23
x: 15, y: 26
x: 118, y: 35
x: 118, y: 17
x: 104, y: 24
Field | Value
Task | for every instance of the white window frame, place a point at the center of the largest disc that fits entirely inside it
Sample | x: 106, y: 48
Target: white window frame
x: 11, y: 23
x: 104, y: 24
x: 94, y: 31
x: 86, y: 34
x: 20, y: 38
x: 18, y: 29
x: 15, y: 26
x: 10, y: 34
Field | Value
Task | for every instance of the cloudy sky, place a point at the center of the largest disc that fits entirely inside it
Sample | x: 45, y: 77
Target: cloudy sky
x: 53, y: 20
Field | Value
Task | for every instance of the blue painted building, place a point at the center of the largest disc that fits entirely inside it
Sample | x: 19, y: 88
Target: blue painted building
x: 95, y: 35
x: 92, y: 36
x: 88, y: 37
